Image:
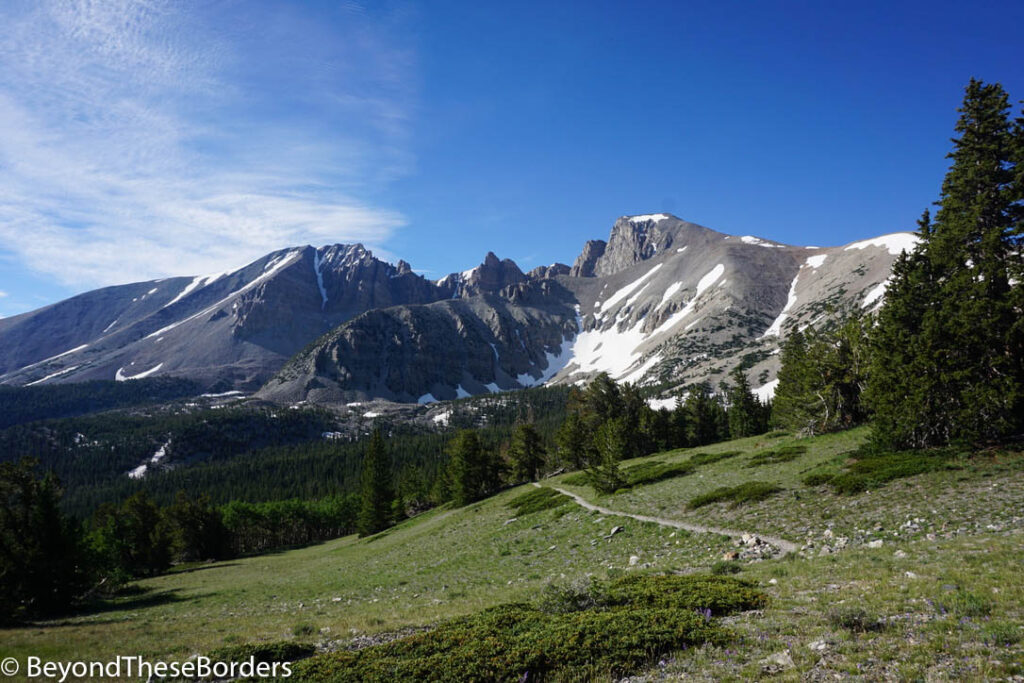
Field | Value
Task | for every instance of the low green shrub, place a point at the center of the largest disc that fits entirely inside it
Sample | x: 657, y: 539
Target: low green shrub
x: 726, y: 567
x: 573, y: 596
x: 750, y: 492
x: 280, y: 651
x: 855, y: 620
x: 818, y: 478
x: 584, y: 630
x: 654, y: 471
x: 719, y: 594
x: 537, y: 500
x: 868, y: 468
x: 1002, y: 633
x: 965, y: 604
x: 698, y: 459
x: 777, y: 455
x: 517, y: 642
x: 577, y: 479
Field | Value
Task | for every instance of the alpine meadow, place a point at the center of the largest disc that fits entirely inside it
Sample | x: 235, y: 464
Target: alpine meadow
x: 682, y: 454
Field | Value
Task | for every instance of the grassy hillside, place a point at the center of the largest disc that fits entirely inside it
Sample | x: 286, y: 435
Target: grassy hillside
x: 939, y: 597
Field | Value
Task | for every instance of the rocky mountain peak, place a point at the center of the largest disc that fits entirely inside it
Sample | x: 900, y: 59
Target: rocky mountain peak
x: 584, y: 265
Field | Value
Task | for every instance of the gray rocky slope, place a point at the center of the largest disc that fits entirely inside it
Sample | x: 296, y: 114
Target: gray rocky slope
x: 663, y: 302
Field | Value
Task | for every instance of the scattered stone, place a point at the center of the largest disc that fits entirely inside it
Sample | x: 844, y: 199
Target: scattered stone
x: 509, y: 521
x: 730, y: 556
x: 827, y: 534
x: 615, y: 530
x: 634, y: 560
x: 818, y: 645
x: 899, y: 554
x: 776, y: 663
x: 910, y: 575
x: 878, y: 543
x: 773, y: 582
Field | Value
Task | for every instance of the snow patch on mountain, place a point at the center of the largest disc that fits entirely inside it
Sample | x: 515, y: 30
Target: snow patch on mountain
x: 705, y: 282
x: 750, y: 239
x: 662, y: 403
x: 555, y: 362
x: 140, y: 471
x: 318, y: 269
x: 121, y: 377
x: 767, y: 392
x: 816, y: 261
x: 895, y: 243
x: 875, y: 294
x: 652, y: 217
x: 628, y: 289
x: 775, y: 329
x: 670, y: 291
x: 55, y: 374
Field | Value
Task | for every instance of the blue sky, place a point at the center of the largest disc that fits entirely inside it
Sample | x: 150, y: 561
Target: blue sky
x: 140, y: 140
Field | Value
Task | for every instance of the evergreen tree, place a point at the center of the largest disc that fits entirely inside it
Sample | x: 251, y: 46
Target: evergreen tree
x: 133, y: 539
x: 43, y: 565
x: 612, y: 441
x: 198, y: 529
x: 951, y: 303
x: 794, y: 394
x: 376, y: 494
x: 526, y: 454
x: 704, y: 416
x: 679, y: 428
x: 473, y: 473
x: 745, y: 413
x: 573, y: 442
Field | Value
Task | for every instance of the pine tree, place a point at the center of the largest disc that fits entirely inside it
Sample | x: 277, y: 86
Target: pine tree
x: 744, y: 407
x: 951, y: 306
x: 376, y: 495
x: 472, y: 472
x: 574, y: 443
x: 612, y: 442
x: 526, y: 453
x: 703, y: 419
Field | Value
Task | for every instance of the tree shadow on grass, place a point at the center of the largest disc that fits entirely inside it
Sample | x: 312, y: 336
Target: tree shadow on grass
x: 133, y: 599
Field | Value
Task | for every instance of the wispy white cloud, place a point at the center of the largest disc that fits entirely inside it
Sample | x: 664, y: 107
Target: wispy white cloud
x: 139, y: 139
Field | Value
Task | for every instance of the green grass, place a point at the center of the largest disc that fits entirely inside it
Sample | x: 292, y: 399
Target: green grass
x: 957, y: 616
x: 654, y: 471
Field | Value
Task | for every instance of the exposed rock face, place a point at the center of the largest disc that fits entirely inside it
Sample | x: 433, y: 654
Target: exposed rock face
x: 548, y: 272
x: 453, y: 348
x: 585, y: 262
x: 662, y: 302
x: 229, y: 331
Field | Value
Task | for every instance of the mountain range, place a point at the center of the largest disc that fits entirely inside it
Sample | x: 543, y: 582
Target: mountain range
x: 663, y: 302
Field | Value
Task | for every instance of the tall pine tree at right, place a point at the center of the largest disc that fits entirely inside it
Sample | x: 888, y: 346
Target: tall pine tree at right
x: 946, y: 352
